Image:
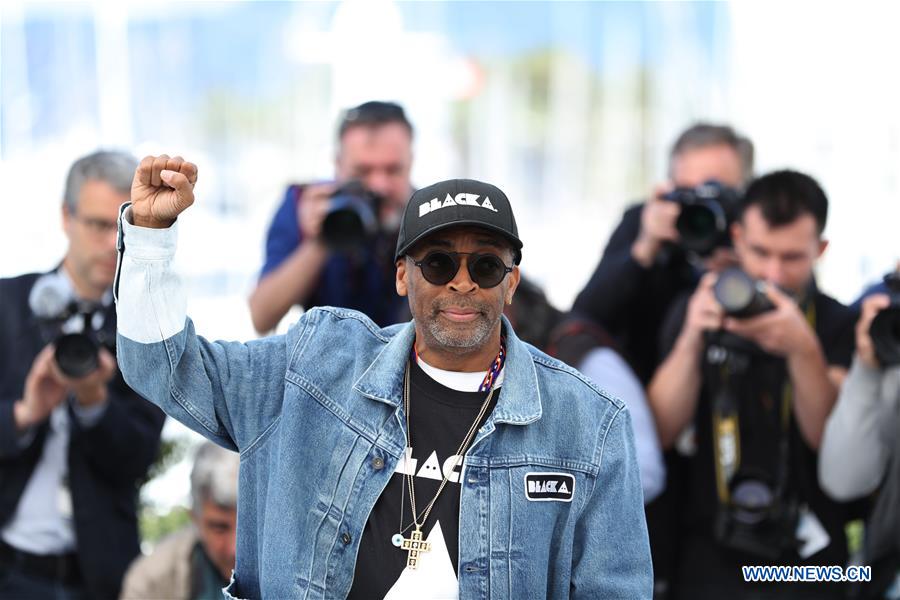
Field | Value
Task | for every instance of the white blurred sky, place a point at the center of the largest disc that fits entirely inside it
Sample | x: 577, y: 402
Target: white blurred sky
x: 251, y: 93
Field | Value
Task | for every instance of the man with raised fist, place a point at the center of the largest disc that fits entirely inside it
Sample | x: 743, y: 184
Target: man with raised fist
x: 442, y: 457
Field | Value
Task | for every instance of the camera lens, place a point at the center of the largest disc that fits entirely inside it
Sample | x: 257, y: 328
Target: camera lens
x: 734, y: 290
x: 351, y: 217
x: 740, y: 295
x: 706, y: 211
x: 751, y: 499
x: 343, y: 228
x: 76, y: 355
x: 699, y: 226
x: 885, y: 332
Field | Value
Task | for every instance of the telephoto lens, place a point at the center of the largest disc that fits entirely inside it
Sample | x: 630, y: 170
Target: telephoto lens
x: 740, y: 295
x: 351, y: 218
x: 885, y: 327
x: 699, y: 225
x: 76, y: 355
x: 706, y: 212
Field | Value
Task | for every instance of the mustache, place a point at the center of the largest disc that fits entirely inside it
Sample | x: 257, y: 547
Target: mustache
x: 441, y: 304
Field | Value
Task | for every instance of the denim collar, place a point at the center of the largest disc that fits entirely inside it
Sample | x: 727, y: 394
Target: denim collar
x: 520, y: 399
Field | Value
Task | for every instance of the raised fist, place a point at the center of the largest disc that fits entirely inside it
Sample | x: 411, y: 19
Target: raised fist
x: 162, y: 189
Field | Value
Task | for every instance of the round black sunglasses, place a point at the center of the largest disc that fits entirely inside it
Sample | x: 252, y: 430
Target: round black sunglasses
x: 440, y: 267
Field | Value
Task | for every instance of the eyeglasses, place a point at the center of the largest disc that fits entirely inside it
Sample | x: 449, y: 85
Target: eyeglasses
x: 440, y: 267
x: 98, y: 227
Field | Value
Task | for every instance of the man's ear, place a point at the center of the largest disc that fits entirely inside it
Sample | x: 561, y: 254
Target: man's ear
x: 402, y: 288
x: 67, y: 221
x: 823, y: 245
x: 514, y: 277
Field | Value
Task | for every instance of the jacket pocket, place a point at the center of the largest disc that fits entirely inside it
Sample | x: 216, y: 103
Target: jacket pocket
x: 542, y: 507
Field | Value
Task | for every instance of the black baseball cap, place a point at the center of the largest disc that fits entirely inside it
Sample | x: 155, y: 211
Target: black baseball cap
x: 453, y: 203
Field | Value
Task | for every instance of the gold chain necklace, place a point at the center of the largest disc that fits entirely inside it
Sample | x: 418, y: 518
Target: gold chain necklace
x: 415, y: 545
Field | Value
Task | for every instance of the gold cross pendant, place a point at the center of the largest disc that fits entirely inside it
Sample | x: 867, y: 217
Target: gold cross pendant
x: 414, y: 545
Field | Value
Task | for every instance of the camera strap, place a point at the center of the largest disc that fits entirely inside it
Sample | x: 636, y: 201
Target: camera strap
x: 726, y: 425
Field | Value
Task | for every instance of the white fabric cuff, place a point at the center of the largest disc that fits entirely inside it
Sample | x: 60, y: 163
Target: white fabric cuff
x: 150, y: 301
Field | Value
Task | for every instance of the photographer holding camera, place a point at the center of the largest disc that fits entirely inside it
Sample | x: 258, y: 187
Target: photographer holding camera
x: 645, y: 266
x: 75, y: 441
x: 645, y: 262
x: 861, y: 446
x: 331, y: 243
x: 752, y: 385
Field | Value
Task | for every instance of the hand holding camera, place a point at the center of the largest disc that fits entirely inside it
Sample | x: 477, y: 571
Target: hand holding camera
x: 773, y: 321
x: 865, y: 348
x: 78, y: 356
x: 312, y: 208
x: 878, y: 328
x: 704, y: 313
x: 340, y: 216
x: 658, y: 218
x: 46, y: 387
x: 704, y: 216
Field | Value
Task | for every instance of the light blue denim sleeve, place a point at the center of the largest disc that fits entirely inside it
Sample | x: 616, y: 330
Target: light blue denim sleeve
x: 612, y: 550
x: 229, y: 392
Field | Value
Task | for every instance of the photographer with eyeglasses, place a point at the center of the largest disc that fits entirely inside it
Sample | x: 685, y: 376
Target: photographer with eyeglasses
x: 861, y: 446
x: 753, y: 361
x: 75, y: 440
x: 330, y: 243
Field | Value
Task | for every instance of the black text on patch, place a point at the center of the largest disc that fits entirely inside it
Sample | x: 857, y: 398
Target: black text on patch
x: 547, y: 487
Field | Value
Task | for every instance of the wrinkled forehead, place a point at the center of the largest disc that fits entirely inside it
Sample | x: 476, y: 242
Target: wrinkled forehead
x: 463, y: 238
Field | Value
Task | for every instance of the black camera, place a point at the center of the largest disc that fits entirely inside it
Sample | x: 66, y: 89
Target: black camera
x: 352, y: 217
x: 740, y: 295
x: 74, y: 328
x: 885, y: 327
x: 706, y: 213
x: 757, y: 514
x: 758, y: 519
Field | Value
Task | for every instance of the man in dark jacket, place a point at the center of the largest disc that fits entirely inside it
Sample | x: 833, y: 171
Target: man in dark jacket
x: 644, y: 267
x: 75, y: 441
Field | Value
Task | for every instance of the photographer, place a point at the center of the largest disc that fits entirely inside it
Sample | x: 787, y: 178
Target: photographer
x: 861, y: 446
x: 645, y: 267
x: 75, y: 441
x: 754, y: 391
x: 302, y: 267
x: 643, y: 261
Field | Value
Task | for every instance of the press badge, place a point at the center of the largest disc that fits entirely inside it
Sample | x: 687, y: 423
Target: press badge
x: 549, y: 487
x: 811, y: 533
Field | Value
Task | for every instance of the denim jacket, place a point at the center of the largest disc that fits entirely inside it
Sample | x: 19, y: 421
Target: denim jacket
x: 316, y: 415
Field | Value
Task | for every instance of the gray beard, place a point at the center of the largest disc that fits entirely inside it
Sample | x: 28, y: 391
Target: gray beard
x: 449, y: 339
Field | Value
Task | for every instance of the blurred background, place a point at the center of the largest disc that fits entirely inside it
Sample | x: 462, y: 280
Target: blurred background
x: 570, y: 107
